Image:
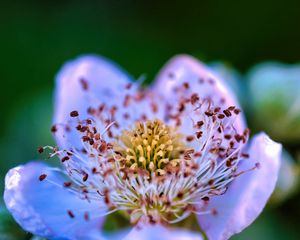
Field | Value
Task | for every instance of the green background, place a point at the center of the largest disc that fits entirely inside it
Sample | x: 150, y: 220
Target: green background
x: 37, y: 37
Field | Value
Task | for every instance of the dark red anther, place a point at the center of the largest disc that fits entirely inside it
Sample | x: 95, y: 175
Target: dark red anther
x: 113, y: 110
x: 209, y: 113
x: 85, y: 138
x: 86, y: 216
x: 210, y: 182
x: 84, y: 84
x: 217, y: 109
x: 258, y: 165
x: 109, y: 133
x: 227, y: 112
x: 228, y: 163
x: 181, y: 107
x: 194, y: 98
x: 74, y: 114
x: 109, y: 146
x: 199, y: 134
x: 91, y: 111
x: 85, y: 177
x: 53, y: 129
x: 227, y: 136
x: 40, y: 149
x: 238, y: 137
x: 206, y: 199
x: 67, y: 184
x: 71, y: 214
x: 180, y: 195
x: 214, y: 212
x: 189, y: 138
x: 237, y: 111
x: 221, y: 116
x: 91, y: 141
x: 186, y: 85
x: 199, y: 124
x: 103, y: 147
x: 154, y: 107
x: 197, y: 154
x: 65, y: 158
x: 42, y: 177
x: 126, y: 101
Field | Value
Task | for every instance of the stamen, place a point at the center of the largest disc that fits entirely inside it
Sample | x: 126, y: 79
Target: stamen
x: 158, y: 171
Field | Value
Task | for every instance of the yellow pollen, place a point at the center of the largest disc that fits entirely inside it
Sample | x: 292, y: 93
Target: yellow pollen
x: 150, y: 146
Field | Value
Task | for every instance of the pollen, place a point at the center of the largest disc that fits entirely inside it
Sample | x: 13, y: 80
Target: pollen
x: 150, y: 146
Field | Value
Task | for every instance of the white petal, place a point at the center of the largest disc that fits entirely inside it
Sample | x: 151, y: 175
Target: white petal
x: 41, y: 207
x: 105, y: 83
x: 201, y: 80
x: 248, y: 194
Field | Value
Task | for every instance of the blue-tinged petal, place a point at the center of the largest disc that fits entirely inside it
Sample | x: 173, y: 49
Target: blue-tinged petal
x: 158, y: 232
x: 46, y: 208
x: 200, y: 79
x: 248, y: 194
x: 82, y: 83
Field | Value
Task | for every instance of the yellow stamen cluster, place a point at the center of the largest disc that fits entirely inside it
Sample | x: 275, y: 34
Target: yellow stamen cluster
x: 151, y: 146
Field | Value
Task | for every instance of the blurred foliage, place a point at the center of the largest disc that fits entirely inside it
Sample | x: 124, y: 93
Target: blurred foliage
x: 37, y: 37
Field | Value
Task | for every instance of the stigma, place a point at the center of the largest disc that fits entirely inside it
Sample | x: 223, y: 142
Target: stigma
x: 151, y: 146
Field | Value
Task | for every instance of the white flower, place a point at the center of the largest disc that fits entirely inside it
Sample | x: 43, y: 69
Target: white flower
x: 157, y: 154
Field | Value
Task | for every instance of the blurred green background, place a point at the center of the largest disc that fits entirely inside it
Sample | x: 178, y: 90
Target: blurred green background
x: 37, y: 37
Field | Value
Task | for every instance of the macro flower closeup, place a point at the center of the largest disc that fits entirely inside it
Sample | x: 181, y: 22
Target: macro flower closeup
x: 156, y: 155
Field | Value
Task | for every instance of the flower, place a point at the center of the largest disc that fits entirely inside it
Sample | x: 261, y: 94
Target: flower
x: 157, y: 155
x: 275, y: 95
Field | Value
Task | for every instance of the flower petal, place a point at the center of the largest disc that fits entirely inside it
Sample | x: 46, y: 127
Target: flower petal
x: 90, y: 81
x: 159, y: 232
x: 82, y: 83
x: 248, y: 194
x: 185, y: 69
x: 41, y: 207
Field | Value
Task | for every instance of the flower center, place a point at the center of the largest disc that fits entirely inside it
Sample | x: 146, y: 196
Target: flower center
x: 150, y: 171
x: 151, y: 146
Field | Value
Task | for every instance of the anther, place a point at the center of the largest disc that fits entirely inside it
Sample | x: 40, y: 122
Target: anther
x: 42, y: 177
x: 74, y: 114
